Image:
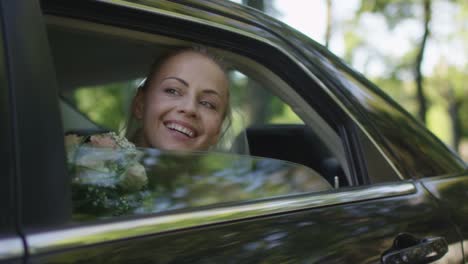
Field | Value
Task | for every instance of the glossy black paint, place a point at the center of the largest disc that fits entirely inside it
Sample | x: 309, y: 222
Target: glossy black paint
x: 8, y: 184
x: 39, y: 148
x: 7, y: 187
x: 452, y: 192
x: 350, y: 233
x: 409, y: 248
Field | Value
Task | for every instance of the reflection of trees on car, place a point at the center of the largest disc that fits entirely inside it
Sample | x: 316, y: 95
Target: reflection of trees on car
x: 178, y: 180
x: 183, y: 180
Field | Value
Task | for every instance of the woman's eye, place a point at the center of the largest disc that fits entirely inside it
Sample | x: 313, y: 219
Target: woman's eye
x: 171, y: 91
x: 208, y: 105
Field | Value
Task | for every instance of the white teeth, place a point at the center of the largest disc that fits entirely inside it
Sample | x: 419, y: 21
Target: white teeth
x: 181, y: 129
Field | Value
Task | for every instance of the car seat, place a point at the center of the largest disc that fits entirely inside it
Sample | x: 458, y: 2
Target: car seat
x: 295, y: 143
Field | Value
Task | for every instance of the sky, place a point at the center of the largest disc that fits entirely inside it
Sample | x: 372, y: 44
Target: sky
x: 309, y: 17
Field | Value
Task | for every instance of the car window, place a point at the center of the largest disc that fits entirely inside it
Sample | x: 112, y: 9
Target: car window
x: 112, y: 182
x: 378, y: 169
x: 276, y: 145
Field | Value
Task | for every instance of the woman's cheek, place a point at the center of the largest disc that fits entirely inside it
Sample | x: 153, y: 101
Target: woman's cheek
x: 216, y: 124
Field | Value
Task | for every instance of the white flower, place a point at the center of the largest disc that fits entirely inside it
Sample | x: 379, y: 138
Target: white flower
x: 106, y: 160
x: 134, y: 179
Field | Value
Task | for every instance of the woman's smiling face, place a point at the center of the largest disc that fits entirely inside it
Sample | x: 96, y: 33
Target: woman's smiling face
x: 184, y: 105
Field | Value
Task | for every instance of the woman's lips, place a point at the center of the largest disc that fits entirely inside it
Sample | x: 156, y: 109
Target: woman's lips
x: 181, y: 127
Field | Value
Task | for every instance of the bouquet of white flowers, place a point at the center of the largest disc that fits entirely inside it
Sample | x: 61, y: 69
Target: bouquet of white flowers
x: 107, y: 176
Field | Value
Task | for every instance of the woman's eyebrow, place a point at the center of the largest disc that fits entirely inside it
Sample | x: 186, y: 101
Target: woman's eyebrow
x: 178, y: 79
x: 210, y: 91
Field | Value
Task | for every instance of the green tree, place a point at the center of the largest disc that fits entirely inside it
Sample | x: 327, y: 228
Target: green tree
x: 396, y: 12
x: 443, y: 92
x: 449, y: 88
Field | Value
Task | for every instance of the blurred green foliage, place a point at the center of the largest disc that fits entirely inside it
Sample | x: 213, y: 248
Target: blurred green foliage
x: 445, y: 86
x: 106, y: 105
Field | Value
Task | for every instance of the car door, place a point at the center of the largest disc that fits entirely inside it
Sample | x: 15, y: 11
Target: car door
x: 450, y: 190
x: 356, y: 224
x: 11, y: 244
x: 27, y: 100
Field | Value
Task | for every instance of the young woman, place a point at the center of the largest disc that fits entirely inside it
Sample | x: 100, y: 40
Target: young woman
x: 182, y: 104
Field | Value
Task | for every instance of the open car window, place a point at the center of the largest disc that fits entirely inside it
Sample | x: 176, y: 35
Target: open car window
x: 276, y: 145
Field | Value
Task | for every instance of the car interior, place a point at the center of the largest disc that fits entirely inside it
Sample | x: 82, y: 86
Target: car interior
x: 88, y: 54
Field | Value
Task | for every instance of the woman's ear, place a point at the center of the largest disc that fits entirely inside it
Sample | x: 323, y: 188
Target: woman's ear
x: 138, y: 105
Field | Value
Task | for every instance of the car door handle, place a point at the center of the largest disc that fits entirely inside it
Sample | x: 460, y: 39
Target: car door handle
x: 407, y: 248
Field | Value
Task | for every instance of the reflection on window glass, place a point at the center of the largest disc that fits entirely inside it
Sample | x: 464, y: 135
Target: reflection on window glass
x: 112, y: 179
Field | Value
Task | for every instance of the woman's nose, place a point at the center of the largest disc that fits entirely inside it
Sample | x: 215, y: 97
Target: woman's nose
x: 188, y: 107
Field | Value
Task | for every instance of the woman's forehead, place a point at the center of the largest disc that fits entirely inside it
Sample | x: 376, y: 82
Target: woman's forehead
x: 193, y: 68
x: 192, y: 60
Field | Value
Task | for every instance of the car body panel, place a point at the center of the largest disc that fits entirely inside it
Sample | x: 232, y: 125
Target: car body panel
x: 7, y: 159
x: 12, y: 247
x: 347, y: 233
x: 452, y: 193
x: 36, y: 118
x: 43, y: 242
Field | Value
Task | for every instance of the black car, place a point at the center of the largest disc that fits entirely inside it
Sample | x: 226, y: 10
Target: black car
x: 319, y: 166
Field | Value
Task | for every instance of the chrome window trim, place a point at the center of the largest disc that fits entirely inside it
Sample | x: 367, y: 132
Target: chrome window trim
x: 11, y: 247
x: 156, y: 10
x: 463, y: 176
x: 46, y: 242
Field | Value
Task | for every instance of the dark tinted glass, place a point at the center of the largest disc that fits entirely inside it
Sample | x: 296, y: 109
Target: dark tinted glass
x: 111, y: 182
x: 378, y: 169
